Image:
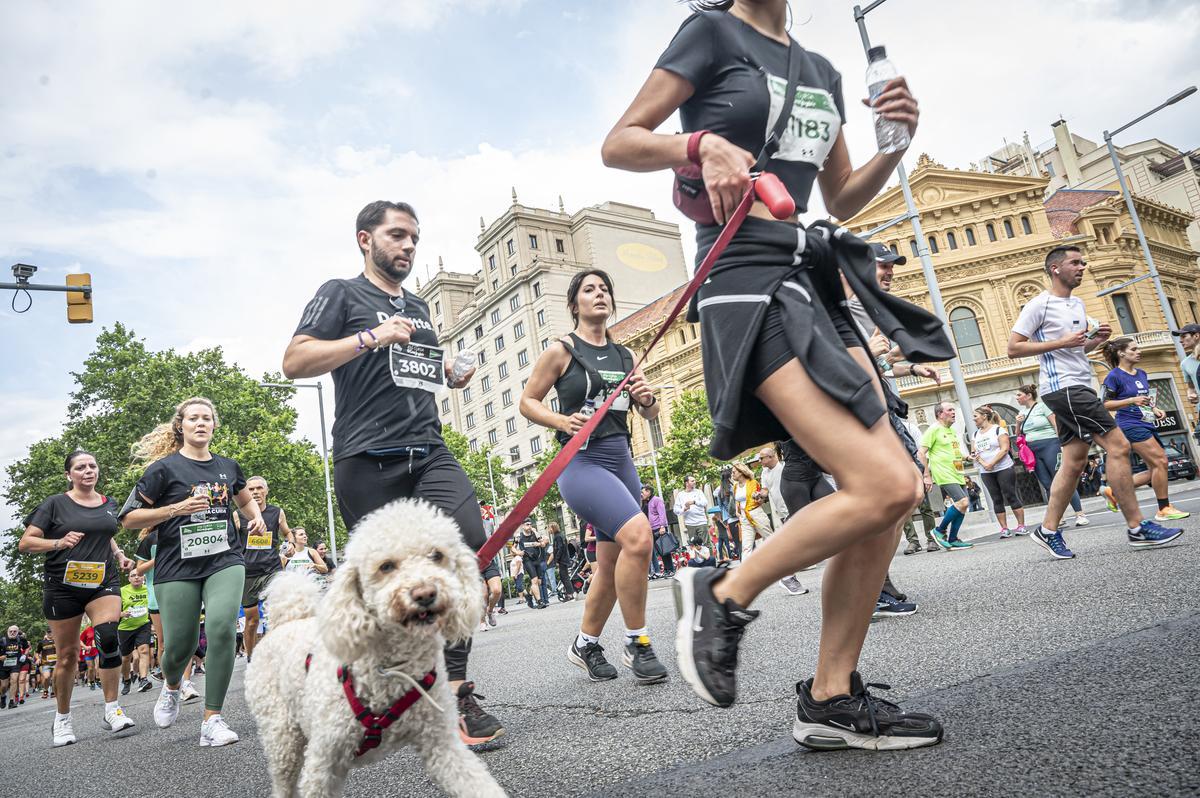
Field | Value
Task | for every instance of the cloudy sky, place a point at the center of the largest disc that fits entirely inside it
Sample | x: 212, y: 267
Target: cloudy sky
x: 205, y: 161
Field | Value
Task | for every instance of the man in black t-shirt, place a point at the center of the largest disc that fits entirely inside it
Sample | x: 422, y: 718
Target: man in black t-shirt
x: 14, y: 651
x: 379, y: 342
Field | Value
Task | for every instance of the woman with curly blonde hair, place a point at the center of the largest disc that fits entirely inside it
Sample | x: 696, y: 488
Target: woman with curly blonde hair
x: 187, y: 492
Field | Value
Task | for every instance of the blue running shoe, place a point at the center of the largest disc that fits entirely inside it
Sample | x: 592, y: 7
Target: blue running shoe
x: 1053, y: 543
x: 1151, y: 534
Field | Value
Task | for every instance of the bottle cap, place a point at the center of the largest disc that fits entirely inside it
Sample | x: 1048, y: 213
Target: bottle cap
x: 877, y: 53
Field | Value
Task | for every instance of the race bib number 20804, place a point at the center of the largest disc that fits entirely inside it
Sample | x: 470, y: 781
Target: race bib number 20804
x: 417, y: 366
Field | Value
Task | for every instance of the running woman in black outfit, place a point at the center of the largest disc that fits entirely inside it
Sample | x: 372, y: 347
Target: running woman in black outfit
x: 780, y: 350
x: 379, y: 342
x: 601, y: 482
x: 76, y: 530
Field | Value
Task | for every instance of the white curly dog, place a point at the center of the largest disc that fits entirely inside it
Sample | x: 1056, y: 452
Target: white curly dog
x: 408, y: 584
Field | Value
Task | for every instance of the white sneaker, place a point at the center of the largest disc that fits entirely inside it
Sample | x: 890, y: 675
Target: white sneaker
x: 491, y: 618
x: 117, y: 720
x: 63, y: 733
x: 167, y: 708
x: 1081, y: 520
x: 214, y: 732
x: 483, y: 627
x: 188, y: 692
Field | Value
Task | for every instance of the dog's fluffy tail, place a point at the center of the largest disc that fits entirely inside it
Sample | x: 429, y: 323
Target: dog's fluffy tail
x: 291, y: 596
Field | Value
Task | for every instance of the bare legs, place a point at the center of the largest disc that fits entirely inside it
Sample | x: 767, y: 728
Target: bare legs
x: 620, y: 575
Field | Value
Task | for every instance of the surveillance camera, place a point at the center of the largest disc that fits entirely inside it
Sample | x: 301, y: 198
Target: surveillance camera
x: 23, y: 271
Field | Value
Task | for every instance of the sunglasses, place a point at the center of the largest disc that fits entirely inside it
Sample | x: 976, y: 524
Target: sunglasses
x: 397, y: 302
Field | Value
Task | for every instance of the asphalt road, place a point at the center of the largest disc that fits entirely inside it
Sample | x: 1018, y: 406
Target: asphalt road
x: 1052, y: 678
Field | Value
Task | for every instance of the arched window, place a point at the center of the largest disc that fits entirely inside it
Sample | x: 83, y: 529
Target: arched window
x: 912, y: 244
x: 1026, y: 227
x: 991, y: 228
x: 895, y: 249
x: 933, y: 247
x: 951, y: 241
x: 1008, y: 229
x: 967, y: 338
x: 970, y: 236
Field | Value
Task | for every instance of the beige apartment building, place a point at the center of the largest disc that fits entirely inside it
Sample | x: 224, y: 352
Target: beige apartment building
x: 513, y: 305
x: 1153, y: 169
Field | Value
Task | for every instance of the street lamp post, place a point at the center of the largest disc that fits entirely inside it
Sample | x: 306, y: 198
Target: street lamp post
x: 324, y: 454
x: 1137, y: 222
x: 653, y: 448
x: 935, y: 294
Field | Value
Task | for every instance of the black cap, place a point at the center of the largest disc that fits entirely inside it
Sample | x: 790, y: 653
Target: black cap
x: 876, y: 53
x: 885, y: 255
x: 1194, y: 329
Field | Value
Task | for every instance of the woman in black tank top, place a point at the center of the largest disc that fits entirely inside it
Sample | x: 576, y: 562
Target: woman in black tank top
x: 601, y: 482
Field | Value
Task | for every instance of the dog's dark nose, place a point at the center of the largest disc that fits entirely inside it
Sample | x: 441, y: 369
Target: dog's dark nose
x: 424, y: 596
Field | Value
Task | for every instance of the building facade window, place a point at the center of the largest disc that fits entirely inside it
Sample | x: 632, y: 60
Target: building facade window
x: 489, y: 410
x: 559, y: 246
x: 474, y: 445
x: 967, y: 337
x: 493, y: 437
x: 482, y: 357
x: 495, y: 285
x: 467, y: 394
x: 512, y: 270
x: 437, y: 308
x: 495, y: 317
x: 486, y: 383
x: 518, y: 331
x: 532, y: 241
x: 491, y: 263
x: 1026, y: 226
x: 510, y: 426
x: 1008, y: 229
x: 460, y: 344
x: 499, y: 342
x: 514, y: 453
x: 511, y: 247
x: 895, y: 249
x: 514, y: 302
x: 1124, y: 311
x: 933, y: 247
x: 470, y: 421
x: 506, y: 397
x: 503, y: 371
x: 991, y: 231
x: 445, y: 405
x: 523, y: 358
x: 1195, y: 317
x: 545, y: 343
x: 541, y: 318
x: 535, y: 445
x: 478, y: 331
x: 912, y: 245
x: 951, y: 240
x: 656, y: 437
x: 970, y: 231
x: 537, y: 290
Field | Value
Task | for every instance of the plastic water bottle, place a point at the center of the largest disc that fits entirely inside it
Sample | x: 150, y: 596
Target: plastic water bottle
x: 889, y: 135
x: 589, y: 408
x: 462, y: 364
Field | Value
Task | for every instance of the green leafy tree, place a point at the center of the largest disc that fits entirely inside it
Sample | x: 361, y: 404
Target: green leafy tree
x: 551, y: 507
x: 686, y: 448
x: 122, y: 392
x: 476, y: 466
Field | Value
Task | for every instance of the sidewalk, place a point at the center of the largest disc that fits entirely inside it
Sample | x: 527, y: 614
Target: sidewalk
x: 979, y: 524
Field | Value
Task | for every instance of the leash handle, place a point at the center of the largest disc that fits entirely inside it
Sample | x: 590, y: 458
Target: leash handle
x: 767, y: 187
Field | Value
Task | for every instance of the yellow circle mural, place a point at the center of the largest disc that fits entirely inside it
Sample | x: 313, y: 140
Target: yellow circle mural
x: 642, y: 257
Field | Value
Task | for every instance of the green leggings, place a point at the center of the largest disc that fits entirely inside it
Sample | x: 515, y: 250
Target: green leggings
x: 179, y: 608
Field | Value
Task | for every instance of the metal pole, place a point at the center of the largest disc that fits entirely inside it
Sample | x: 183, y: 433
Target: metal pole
x: 935, y: 294
x: 1137, y: 226
x: 325, y: 463
x: 491, y: 480
x: 324, y: 453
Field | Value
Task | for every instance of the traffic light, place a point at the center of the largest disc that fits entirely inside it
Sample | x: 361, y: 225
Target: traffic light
x: 79, y: 303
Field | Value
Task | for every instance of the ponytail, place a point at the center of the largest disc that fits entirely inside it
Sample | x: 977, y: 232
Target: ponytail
x: 167, y: 438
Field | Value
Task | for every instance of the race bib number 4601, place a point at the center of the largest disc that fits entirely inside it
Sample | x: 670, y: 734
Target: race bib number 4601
x: 417, y: 366
x: 813, y: 127
x: 203, y: 540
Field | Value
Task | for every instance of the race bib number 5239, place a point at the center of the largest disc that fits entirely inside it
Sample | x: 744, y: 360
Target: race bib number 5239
x: 417, y: 366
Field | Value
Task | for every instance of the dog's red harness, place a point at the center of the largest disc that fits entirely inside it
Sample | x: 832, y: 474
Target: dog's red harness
x: 375, y: 724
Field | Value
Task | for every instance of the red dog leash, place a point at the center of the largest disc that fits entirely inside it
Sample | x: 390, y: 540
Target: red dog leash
x: 376, y: 724
x: 772, y: 192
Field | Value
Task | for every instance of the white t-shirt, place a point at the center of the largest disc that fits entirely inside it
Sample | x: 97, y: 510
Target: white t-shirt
x: 697, y: 514
x: 1048, y: 318
x: 987, y: 446
x: 770, y: 480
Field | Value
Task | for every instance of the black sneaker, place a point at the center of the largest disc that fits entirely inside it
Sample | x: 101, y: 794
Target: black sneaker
x: 125, y: 685
x: 859, y: 720
x: 888, y: 606
x: 591, y: 659
x: 707, y: 634
x: 475, y: 726
x: 144, y: 685
x: 639, y: 658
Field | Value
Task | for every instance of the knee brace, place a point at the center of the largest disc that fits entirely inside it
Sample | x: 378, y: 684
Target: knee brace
x: 108, y: 645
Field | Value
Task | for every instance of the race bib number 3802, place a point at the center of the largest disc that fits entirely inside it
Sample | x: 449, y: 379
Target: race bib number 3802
x: 203, y: 540
x: 417, y: 366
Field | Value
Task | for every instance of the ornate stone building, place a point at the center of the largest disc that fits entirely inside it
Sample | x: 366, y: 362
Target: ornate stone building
x: 988, y: 235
